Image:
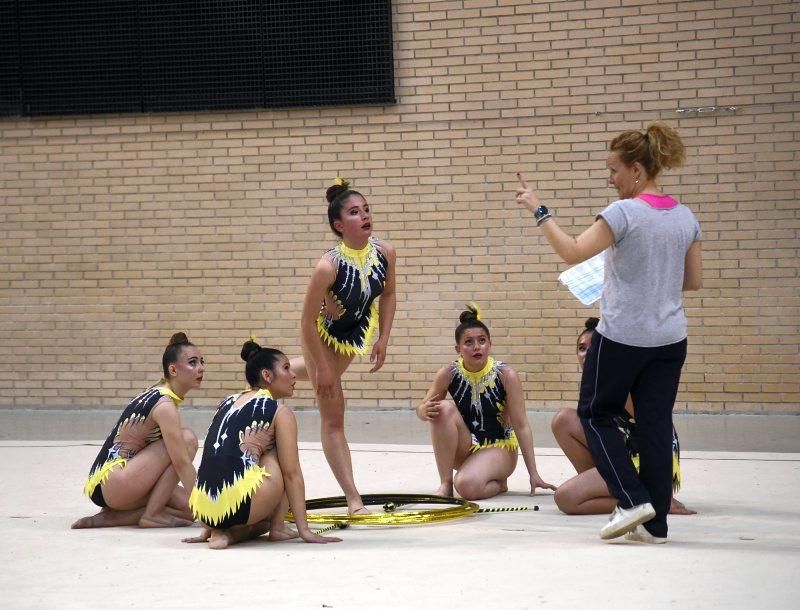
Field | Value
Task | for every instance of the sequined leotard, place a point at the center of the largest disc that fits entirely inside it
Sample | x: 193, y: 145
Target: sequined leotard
x: 360, y: 279
x: 230, y: 472
x: 133, y: 432
x: 480, y: 398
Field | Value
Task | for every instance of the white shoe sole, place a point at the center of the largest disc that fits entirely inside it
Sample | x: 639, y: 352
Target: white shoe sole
x: 639, y: 534
x: 631, y: 520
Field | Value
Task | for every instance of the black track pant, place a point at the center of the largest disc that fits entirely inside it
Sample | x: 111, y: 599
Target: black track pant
x: 650, y: 375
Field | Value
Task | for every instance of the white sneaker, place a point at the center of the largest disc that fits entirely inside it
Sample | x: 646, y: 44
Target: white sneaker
x: 642, y: 535
x: 623, y: 520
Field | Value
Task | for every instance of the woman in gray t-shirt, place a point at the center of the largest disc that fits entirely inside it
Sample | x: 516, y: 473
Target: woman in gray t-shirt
x: 652, y: 255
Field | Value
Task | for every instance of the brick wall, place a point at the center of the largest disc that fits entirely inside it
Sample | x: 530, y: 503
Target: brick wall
x: 118, y: 230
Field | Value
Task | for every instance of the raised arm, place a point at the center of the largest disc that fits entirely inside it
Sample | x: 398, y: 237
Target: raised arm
x: 165, y: 414
x: 693, y: 268
x: 387, y: 305
x: 428, y: 409
x: 286, y: 440
x: 515, y: 407
x: 592, y: 241
x: 322, y: 279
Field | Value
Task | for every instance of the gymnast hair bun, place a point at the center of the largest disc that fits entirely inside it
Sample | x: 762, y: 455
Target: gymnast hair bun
x: 471, y: 313
x: 249, y: 349
x: 591, y: 323
x: 340, y: 186
x: 177, y: 339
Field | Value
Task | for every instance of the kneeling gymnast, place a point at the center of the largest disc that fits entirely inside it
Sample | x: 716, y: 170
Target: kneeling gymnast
x: 250, y: 471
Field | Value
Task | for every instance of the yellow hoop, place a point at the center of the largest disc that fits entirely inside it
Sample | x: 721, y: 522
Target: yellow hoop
x: 461, y: 509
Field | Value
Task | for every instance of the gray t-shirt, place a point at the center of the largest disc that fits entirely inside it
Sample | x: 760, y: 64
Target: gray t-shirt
x: 642, y: 301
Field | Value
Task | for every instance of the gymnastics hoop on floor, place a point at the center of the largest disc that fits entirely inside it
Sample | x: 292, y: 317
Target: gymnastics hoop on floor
x: 390, y: 507
x: 461, y: 508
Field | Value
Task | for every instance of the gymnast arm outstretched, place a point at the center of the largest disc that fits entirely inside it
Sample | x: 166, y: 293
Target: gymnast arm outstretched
x: 289, y: 460
x: 515, y: 408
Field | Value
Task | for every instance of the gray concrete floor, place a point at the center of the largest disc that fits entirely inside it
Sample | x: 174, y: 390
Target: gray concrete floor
x: 742, y: 549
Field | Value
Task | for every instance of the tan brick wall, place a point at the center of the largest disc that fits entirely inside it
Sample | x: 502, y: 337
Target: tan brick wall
x: 118, y: 230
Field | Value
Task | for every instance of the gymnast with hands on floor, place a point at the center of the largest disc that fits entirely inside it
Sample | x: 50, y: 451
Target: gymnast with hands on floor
x: 478, y: 432
x: 340, y: 318
x: 652, y: 254
x: 587, y: 493
x: 134, y: 479
x: 250, y: 470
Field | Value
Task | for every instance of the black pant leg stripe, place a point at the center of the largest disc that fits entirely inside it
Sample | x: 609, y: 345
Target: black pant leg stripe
x: 599, y: 437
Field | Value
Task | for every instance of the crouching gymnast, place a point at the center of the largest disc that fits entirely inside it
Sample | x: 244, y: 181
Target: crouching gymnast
x: 250, y: 471
x: 476, y: 433
x: 134, y: 479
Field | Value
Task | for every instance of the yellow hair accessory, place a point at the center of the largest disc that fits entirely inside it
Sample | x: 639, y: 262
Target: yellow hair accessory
x: 341, y: 182
x: 253, y: 337
x: 473, y: 307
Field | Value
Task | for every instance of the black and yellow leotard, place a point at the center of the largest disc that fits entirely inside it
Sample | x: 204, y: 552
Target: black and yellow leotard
x: 116, y: 452
x: 627, y: 427
x: 480, y: 398
x: 360, y: 279
x: 229, y: 474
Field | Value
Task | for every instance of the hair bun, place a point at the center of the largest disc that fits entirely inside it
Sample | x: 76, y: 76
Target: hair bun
x: 471, y: 313
x: 340, y: 186
x: 666, y: 147
x: 178, y: 338
x: 591, y: 323
x: 249, y: 349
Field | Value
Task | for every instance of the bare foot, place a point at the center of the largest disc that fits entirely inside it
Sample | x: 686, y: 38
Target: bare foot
x: 181, y: 514
x: 281, y: 534
x: 676, y: 507
x: 108, y: 517
x: 86, y: 522
x: 162, y: 520
x: 363, y: 510
x: 201, y: 538
x: 445, y: 489
x: 220, y: 539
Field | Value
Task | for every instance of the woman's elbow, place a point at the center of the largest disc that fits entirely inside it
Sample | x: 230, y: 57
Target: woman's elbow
x: 573, y: 253
x: 692, y: 284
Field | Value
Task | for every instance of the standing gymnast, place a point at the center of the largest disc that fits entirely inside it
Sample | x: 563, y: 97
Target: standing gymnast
x: 250, y: 471
x: 341, y: 317
x: 587, y: 492
x: 652, y: 254
x: 479, y: 431
x: 134, y: 479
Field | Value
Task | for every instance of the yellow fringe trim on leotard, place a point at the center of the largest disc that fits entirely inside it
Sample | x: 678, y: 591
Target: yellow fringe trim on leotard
x: 165, y: 391
x: 510, y: 443
x: 213, y: 508
x: 346, y: 348
x: 99, y: 476
x: 363, y: 259
x: 476, y: 378
x: 676, y: 470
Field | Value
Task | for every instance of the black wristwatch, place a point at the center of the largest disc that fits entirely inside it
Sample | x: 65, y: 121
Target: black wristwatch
x: 541, y: 214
